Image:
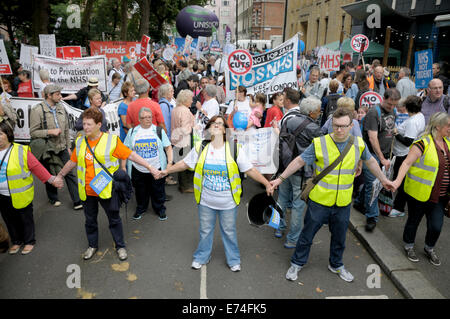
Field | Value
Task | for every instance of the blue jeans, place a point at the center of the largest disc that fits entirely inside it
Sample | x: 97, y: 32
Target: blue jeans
x: 317, y: 215
x: 227, y: 222
x: 289, y: 192
x: 366, y: 193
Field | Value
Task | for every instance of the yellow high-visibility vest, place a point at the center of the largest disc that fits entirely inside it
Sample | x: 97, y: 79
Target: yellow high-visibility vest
x: 20, y: 180
x: 336, y: 187
x: 232, y: 169
x: 103, y: 152
x: 421, y: 176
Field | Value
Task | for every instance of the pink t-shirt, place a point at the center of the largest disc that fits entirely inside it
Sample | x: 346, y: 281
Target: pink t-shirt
x: 255, y: 119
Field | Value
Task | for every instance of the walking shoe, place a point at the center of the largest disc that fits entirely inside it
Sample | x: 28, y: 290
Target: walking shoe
x: 396, y: 213
x: 162, y: 217
x: 122, y: 253
x: 292, y: 272
x: 290, y: 245
x: 235, y: 268
x: 278, y: 233
x: 343, y: 273
x: 137, y: 216
x: 411, y: 254
x: 77, y: 206
x: 432, y: 257
x: 196, y: 265
x: 55, y: 203
x: 89, y: 253
x: 371, y: 224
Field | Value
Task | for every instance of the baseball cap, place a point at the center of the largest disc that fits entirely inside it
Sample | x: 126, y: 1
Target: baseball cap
x: 93, y: 81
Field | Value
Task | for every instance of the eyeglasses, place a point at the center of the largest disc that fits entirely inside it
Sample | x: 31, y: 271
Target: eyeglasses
x: 341, y: 127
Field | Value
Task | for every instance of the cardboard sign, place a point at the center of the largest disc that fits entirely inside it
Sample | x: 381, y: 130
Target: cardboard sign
x: 26, y: 56
x: 423, y: 68
x: 70, y: 53
x: 329, y: 60
x: 357, y: 41
x: 5, y: 67
x: 47, y: 44
x: 149, y: 73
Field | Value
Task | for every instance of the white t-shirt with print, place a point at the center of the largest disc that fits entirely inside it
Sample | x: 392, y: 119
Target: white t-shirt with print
x: 216, y: 189
x: 211, y: 107
x: 146, y: 146
x: 411, y: 127
x: 243, y: 107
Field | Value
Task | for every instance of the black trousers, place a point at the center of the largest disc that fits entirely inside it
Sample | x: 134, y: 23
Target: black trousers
x: 146, y: 188
x: 401, y: 197
x: 20, y: 222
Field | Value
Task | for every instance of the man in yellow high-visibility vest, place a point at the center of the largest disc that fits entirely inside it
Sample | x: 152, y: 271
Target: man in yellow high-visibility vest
x: 330, y: 199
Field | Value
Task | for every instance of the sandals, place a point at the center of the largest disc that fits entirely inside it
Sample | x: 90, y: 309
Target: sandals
x: 27, y: 249
x: 14, y: 249
x: 171, y: 181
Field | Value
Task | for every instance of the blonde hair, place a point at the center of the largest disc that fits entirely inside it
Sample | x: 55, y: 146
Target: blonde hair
x: 346, y: 102
x: 92, y: 93
x: 184, y: 96
x: 438, y: 119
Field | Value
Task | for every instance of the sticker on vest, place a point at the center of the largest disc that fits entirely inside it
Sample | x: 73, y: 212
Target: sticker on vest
x: 216, y: 177
x: 274, y: 219
x: 100, y: 181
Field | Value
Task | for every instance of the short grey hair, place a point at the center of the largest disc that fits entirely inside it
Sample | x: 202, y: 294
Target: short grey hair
x: 211, y: 90
x: 141, y: 86
x: 184, y: 96
x: 164, y: 90
x: 44, y: 75
x: 143, y: 110
x: 310, y: 104
x: 406, y: 71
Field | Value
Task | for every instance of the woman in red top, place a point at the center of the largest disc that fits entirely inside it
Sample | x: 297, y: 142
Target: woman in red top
x: 275, y: 113
x: 25, y: 89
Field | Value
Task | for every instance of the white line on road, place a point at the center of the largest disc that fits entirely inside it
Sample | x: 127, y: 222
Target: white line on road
x: 203, y: 283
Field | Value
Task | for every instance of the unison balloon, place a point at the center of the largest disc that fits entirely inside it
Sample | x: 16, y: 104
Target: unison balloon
x: 196, y: 21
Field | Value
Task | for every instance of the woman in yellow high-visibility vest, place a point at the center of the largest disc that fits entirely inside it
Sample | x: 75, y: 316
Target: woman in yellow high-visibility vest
x: 17, y: 164
x: 427, y: 185
x: 217, y: 190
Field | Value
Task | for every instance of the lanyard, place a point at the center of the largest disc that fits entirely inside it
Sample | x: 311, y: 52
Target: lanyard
x: 4, y: 156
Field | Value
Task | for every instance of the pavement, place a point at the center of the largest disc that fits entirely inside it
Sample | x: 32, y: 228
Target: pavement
x: 385, y: 245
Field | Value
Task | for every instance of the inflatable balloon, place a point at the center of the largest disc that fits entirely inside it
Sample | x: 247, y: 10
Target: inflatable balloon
x: 240, y: 121
x: 196, y: 21
x: 301, y: 46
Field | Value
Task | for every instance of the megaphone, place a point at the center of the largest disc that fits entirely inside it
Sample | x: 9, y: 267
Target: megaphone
x: 260, y: 209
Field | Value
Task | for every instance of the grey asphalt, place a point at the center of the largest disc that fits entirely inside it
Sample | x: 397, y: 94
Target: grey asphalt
x: 160, y: 255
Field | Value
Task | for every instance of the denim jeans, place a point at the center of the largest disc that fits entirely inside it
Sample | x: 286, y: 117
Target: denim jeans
x: 317, y: 215
x: 289, y: 192
x: 434, y: 213
x: 366, y: 193
x: 227, y: 222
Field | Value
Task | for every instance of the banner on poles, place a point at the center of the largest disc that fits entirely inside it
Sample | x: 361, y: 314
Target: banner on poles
x: 23, y: 107
x: 5, y: 67
x: 72, y: 75
x: 114, y: 49
x: 423, y: 68
x: 47, y: 45
x: 149, y: 73
x: 26, y: 56
x: 329, y: 60
x: 271, y: 72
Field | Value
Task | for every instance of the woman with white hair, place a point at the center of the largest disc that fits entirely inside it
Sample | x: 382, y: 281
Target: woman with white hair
x: 427, y: 185
x: 45, y: 78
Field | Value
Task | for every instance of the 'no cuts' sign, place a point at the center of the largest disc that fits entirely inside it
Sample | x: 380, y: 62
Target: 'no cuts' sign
x: 356, y: 43
x: 240, y: 62
x: 370, y: 99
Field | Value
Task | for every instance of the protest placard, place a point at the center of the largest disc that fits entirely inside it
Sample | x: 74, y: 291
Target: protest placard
x: 72, y: 75
x: 329, y: 60
x: 47, y: 45
x: 149, y: 73
x: 423, y: 68
x: 71, y: 52
x: 144, y: 44
x: 26, y: 56
x: 5, y: 67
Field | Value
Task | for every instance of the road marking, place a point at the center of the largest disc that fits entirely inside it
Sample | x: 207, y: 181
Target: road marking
x: 359, y: 297
x: 203, y: 283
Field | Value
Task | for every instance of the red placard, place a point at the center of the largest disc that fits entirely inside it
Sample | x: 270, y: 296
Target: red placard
x: 144, y: 44
x: 113, y: 49
x: 149, y: 73
x: 240, y: 62
x: 70, y: 53
x: 59, y: 53
x: 5, y: 69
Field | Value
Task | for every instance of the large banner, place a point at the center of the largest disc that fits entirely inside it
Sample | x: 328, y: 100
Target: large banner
x: 72, y: 75
x: 271, y: 72
x: 23, y: 107
x: 113, y: 49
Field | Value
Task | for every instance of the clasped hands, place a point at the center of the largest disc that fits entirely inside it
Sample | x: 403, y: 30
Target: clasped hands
x: 58, y: 182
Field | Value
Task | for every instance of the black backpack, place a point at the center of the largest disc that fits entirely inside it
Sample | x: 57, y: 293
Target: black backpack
x: 288, y: 146
x: 331, y: 105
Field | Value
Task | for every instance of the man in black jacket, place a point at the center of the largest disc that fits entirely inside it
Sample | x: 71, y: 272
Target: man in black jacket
x: 81, y: 97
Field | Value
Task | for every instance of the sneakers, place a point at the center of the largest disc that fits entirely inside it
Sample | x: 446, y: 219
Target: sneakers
x: 292, y: 272
x: 162, y: 217
x: 396, y: 213
x: 122, y: 253
x: 196, y: 265
x: 137, y: 216
x: 290, y: 245
x: 411, y: 254
x: 235, y: 268
x: 278, y: 233
x: 77, y: 206
x: 432, y: 257
x: 55, y: 203
x: 342, y: 272
x: 371, y: 224
x: 89, y: 253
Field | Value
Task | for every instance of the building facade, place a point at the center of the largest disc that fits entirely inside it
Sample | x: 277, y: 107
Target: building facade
x: 225, y: 10
x: 319, y: 21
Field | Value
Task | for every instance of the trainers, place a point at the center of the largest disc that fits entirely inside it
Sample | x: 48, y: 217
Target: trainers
x: 77, y: 206
x: 163, y: 217
x: 89, y: 253
x: 290, y: 245
x: 196, y: 265
x: 278, y: 233
x: 122, y: 252
x: 371, y: 224
x: 411, y: 254
x: 235, y: 268
x: 292, y: 272
x: 55, y: 203
x: 343, y: 273
x: 396, y: 213
x: 137, y: 216
x: 432, y: 257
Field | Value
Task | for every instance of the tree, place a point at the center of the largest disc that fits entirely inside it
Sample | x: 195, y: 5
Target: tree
x: 124, y: 20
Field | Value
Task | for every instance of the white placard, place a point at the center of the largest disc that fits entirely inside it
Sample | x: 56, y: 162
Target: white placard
x: 5, y: 67
x: 47, y: 45
x: 26, y: 56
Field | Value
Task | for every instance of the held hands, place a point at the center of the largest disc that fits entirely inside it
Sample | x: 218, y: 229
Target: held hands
x: 275, y: 184
x: 389, y: 185
x: 58, y: 182
x: 269, y: 189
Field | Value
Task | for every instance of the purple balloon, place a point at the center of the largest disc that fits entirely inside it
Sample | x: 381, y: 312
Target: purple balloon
x: 196, y: 22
